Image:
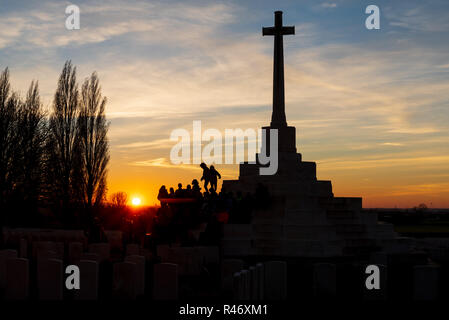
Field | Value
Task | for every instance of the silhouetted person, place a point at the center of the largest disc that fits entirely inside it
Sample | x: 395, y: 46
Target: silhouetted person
x: 188, y: 191
x: 213, y: 174
x: 172, y: 193
x: 163, y: 194
x: 196, y: 186
x: 179, y: 193
x: 206, y: 175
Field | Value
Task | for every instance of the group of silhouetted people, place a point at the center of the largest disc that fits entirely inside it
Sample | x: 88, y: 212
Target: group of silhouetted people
x: 184, y: 209
x: 210, y: 177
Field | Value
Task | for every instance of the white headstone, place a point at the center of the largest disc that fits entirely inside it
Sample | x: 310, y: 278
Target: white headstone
x: 88, y: 280
x: 425, y: 282
x: 125, y: 275
x: 50, y: 279
x: 4, y: 256
x: 18, y: 279
x: 324, y: 279
x: 140, y: 272
x: 165, y: 281
x: 275, y: 280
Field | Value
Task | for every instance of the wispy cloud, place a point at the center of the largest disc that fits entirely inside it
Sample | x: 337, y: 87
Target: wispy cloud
x: 328, y: 5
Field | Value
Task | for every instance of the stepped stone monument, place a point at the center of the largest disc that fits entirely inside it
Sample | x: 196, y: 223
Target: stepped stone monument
x: 304, y: 218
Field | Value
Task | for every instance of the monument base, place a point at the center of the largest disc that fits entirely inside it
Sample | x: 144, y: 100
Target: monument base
x: 304, y: 219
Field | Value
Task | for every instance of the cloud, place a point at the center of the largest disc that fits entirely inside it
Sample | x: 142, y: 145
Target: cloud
x: 424, y: 18
x: 328, y: 5
x: 44, y: 26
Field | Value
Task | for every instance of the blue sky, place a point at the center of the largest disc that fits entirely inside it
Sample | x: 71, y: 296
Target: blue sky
x: 370, y: 106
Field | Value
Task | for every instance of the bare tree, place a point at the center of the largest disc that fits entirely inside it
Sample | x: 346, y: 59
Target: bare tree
x: 119, y: 199
x: 62, y: 140
x: 92, y: 143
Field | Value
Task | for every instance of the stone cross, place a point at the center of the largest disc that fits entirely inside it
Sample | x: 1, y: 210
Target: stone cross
x: 278, y: 31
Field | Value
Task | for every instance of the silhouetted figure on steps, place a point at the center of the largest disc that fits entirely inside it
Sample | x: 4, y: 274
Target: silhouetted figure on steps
x: 206, y: 175
x: 213, y: 174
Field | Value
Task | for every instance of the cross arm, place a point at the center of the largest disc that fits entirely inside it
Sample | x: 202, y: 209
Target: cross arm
x: 268, y: 31
x: 288, y: 30
x: 271, y: 31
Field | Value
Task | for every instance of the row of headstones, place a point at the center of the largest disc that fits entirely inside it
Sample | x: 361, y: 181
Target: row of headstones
x: 269, y: 281
x: 128, y: 278
x: 263, y: 281
x: 190, y: 260
x: 425, y: 282
x: 13, y: 236
x: 49, y: 249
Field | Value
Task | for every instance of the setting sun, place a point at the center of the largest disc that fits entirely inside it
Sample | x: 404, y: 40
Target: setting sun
x: 136, y: 201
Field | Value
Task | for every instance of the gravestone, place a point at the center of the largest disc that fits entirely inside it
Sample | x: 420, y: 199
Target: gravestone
x: 17, y: 279
x: 275, y: 279
x: 140, y: 272
x: 165, y: 281
x: 425, y: 282
x: 50, y: 279
x: 4, y: 256
x: 124, y: 285
x: 103, y: 250
x: 88, y: 280
x: 132, y: 249
x: 324, y: 280
x: 75, y: 252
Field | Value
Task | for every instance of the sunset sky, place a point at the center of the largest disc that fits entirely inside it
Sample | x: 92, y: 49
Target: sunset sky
x: 370, y: 106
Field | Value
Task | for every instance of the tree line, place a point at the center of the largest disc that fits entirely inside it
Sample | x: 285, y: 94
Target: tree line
x: 55, y: 161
